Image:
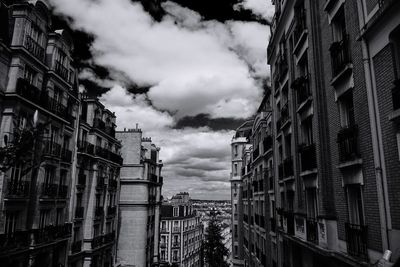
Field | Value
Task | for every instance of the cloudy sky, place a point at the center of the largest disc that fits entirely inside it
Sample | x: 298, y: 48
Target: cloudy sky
x: 188, y: 71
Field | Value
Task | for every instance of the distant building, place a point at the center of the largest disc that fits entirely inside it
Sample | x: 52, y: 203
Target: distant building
x: 95, y: 194
x: 140, y: 200
x: 181, y: 233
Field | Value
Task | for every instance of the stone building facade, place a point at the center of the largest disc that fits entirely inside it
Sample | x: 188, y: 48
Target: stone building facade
x: 334, y: 67
x: 39, y: 94
x: 140, y: 200
x: 181, y: 233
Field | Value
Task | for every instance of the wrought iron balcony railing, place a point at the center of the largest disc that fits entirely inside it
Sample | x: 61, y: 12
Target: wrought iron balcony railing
x: 340, y: 55
x: 356, y: 237
x: 34, y: 48
x: 347, y: 140
x: 17, y: 188
x: 61, y: 70
x: 49, y: 190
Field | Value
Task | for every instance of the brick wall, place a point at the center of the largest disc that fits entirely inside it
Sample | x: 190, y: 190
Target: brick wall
x: 384, y: 75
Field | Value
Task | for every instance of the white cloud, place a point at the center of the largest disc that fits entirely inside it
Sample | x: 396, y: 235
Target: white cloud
x: 262, y: 8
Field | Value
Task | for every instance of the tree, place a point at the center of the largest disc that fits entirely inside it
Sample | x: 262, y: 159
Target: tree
x: 214, y: 249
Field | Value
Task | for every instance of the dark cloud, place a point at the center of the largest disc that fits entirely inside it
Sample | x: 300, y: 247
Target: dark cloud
x: 204, y: 120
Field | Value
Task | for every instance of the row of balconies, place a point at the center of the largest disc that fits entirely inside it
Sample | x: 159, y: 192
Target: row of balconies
x: 21, y: 239
x: 41, y: 98
x: 99, y: 124
x: 55, y: 150
x: 88, y: 148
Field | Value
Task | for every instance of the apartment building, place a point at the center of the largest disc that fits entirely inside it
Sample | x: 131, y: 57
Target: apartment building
x: 241, y: 138
x: 140, y: 200
x: 181, y: 233
x: 39, y: 106
x: 336, y: 136
x: 94, y: 209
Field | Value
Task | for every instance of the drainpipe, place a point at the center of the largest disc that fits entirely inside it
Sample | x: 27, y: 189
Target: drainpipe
x: 384, y: 209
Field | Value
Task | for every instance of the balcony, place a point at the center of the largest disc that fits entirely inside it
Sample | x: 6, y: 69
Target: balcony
x: 98, y: 212
x: 34, y: 48
x: 267, y: 143
x: 49, y: 190
x: 396, y: 95
x: 79, y: 212
x: 66, y: 155
x: 308, y: 157
x: 312, y: 230
x: 111, y: 210
x: 17, y: 188
x: 76, y: 246
x: 99, y: 124
x: 347, y: 140
x: 85, y: 147
x: 52, y: 149
x: 340, y: 55
x: 109, y: 237
x: 97, y: 241
x: 302, y: 87
x: 51, y: 233
x: 62, y: 191
x: 61, y: 70
x: 15, y: 241
x: 356, y: 237
x: 288, y: 167
x: 110, y: 130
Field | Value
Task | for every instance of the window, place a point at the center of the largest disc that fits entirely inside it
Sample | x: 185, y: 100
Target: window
x: 355, y: 204
x: 346, y: 109
x: 235, y: 169
x: 307, y: 131
x: 29, y: 75
x: 44, y: 218
x: 17, y: 172
x: 175, y: 212
x: 311, y: 195
x: 11, y: 223
x: 339, y: 25
x: 236, y: 150
x: 59, y: 216
x: 49, y: 175
x: 288, y: 146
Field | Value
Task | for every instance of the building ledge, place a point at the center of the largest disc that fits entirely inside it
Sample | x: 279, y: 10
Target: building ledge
x: 346, y: 70
x: 395, y: 115
x: 348, y: 164
x: 304, y: 104
x: 308, y: 173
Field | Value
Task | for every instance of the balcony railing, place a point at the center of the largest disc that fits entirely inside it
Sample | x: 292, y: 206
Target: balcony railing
x: 288, y: 167
x: 302, y: 87
x: 347, y: 140
x: 396, y: 95
x: 50, y: 233
x: 79, y: 212
x: 356, y: 237
x: 52, y: 148
x: 99, y: 124
x: 34, y: 48
x: 85, y: 147
x: 340, y: 55
x: 97, y: 241
x: 308, y: 157
x: 61, y: 70
x: 17, y: 188
x: 14, y: 241
x: 76, y: 246
x: 312, y: 230
x: 49, y: 190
